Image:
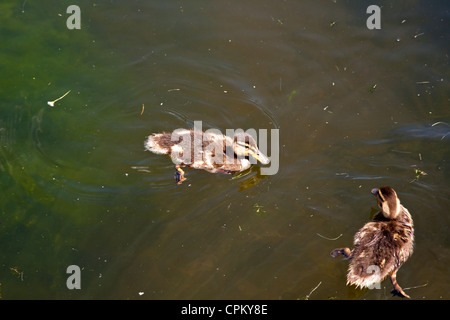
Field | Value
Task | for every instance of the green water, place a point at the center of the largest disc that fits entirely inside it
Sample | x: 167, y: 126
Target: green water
x: 355, y: 109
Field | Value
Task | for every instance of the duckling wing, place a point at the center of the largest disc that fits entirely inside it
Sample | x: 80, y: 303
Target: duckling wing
x: 219, y: 156
x: 229, y: 165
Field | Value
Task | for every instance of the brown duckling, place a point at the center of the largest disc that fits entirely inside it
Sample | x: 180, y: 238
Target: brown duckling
x: 210, y: 150
x: 382, y: 245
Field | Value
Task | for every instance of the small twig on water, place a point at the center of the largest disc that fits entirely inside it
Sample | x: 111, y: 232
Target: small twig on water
x: 16, y: 271
x: 420, y: 286
x: 332, y: 239
x: 439, y: 122
x: 52, y: 103
x: 308, y: 295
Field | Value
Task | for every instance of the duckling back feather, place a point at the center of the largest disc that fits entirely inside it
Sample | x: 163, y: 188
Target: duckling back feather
x: 380, y: 247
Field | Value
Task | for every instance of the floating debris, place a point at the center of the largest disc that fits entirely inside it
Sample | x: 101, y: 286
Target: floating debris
x: 331, y: 239
x: 372, y: 88
x: 259, y: 208
x: 16, y: 272
x: 52, y: 103
x: 439, y: 122
x: 419, y: 286
x: 418, y: 173
x: 293, y: 93
x: 308, y: 295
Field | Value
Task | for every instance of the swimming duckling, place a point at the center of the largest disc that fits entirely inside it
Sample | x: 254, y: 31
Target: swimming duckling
x: 381, y: 246
x: 210, y: 151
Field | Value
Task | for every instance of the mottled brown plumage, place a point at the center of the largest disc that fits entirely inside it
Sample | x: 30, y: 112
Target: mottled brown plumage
x: 210, y: 151
x: 382, y: 245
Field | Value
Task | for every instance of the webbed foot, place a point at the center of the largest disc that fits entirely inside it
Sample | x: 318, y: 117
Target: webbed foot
x: 398, y: 291
x: 179, y: 174
x: 344, y: 251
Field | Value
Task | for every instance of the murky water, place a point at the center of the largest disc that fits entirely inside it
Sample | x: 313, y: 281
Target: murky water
x: 355, y: 109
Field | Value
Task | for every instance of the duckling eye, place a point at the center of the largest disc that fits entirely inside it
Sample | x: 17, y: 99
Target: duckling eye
x: 250, y: 149
x: 244, y: 145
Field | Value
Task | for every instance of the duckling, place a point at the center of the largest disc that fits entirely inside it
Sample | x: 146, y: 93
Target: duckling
x: 383, y: 244
x: 210, y: 151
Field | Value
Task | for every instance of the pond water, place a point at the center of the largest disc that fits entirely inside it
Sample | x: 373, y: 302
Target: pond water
x: 355, y: 109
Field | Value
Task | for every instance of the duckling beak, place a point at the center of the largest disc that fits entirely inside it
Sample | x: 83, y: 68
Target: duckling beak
x: 374, y: 191
x: 258, y: 155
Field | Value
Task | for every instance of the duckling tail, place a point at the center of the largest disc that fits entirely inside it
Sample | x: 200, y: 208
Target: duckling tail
x: 366, y: 269
x: 364, y: 276
x: 159, y: 143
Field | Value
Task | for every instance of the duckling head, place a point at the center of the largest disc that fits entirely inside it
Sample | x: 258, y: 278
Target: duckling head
x: 388, y: 201
x: 244, y: 146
